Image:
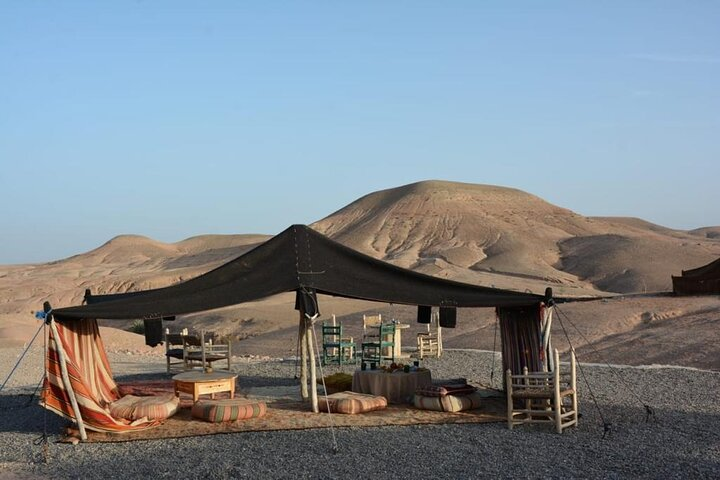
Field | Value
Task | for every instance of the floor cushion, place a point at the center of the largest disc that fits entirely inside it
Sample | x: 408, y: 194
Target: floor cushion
x: 448, y: 403
x: 351, y: 402
x: 156, y: 407
x: 228, y: 409
x: 445, y: 389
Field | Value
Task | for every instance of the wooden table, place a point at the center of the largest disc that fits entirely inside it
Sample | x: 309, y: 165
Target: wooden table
x: 397, y: 387
x: 201, y: 383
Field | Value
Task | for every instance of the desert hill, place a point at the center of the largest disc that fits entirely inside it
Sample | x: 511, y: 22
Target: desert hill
x: 505, y: 237
x: 481, y: 234
x: 707, y: 232
x: 124, y: 263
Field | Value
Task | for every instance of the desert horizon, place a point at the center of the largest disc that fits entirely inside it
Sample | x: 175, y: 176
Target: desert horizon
x: 480, y: 234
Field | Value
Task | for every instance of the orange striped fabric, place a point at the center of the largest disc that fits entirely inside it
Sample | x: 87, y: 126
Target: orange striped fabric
x: 228, y: 410
x: 157, y: 407
x: 351, y: 402
x: 90, y: 378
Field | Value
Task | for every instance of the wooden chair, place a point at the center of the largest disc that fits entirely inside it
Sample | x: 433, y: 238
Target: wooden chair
x: 335, y: 346
x: 201, y: 350
x: 430, y: 343
x: 370, y: 322
x: 376, y: 344
x: 540, y: 397
x: 174, y: 349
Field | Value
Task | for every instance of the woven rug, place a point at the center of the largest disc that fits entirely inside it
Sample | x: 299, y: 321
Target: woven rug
x: 287, y: 414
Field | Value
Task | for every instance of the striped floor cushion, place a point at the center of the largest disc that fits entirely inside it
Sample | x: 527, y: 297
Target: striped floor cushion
x: 448, y: 403
x: 351, y: 402
x: 228, y: 409
x: 157, y: 407
x: 457, y: 389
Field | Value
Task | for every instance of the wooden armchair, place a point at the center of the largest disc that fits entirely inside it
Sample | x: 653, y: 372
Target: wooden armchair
x: 430, y: 342
x: 543, y: 397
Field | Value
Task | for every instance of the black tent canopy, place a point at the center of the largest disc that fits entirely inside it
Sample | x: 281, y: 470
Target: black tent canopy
x: 298, y: 259
x: 703, y: 280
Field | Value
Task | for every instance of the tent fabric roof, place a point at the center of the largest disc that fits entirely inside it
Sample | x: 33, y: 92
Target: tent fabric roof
x: 711, y: 270
x: 701, y: 280
x: 298, y: 258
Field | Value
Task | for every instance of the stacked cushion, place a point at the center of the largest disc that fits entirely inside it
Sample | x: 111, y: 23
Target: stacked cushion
x: 448, y: 403
x: 228, y: 409
x: 351, y: 402
x: 443, y: 390
x: 157, y: 407
x: 447, y: 397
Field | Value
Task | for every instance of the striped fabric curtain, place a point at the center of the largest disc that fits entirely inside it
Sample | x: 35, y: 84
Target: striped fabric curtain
x: 525, y: 335
x: 89, y: 375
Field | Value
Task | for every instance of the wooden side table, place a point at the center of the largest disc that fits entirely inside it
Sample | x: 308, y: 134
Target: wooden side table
x: 200, y: 383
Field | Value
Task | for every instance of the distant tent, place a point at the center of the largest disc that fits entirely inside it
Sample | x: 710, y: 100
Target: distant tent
x: 703, y: 280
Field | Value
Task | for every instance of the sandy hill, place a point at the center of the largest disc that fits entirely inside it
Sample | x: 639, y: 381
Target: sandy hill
x: 481, y: 234
x: 125, y: 263
x: 707, y: 232
x: 508, y: 238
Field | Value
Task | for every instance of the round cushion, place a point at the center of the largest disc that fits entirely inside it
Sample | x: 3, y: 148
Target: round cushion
x: 157, y: 407
x: 228, y: 409
x: 448, y: 403
x: 351, y: 403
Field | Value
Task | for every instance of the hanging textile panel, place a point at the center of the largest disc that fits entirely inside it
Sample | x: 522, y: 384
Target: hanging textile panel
x: 522, y: 334
x: 89, y: 375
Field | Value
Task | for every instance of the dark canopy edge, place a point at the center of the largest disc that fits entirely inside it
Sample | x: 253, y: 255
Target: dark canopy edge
x: 297, y: 258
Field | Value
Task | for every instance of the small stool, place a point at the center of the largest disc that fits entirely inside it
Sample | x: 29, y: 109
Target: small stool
x: 351, y: 403
x: 228, y: 409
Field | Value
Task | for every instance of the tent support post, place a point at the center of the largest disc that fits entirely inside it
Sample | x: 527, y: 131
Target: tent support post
x: 302, y: 333
x: 546, y: 343
x: 66, y: 381
x: 313, y: 374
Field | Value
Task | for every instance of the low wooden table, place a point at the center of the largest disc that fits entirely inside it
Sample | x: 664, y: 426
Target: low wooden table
x: 200, y: 383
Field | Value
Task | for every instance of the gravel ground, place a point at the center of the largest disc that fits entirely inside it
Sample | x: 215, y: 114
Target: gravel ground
x: 682, y: 441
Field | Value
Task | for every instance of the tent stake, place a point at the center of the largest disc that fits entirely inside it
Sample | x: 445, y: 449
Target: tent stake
x: 66, y: 381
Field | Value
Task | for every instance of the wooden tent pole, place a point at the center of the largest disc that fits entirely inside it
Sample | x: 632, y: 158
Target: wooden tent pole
x: 302, y: 333
x: 313, y: 374
x: 66, y: 381
x: 550, y: 365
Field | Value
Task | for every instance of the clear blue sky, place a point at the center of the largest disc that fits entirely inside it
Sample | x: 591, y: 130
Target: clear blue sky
x: 172, y: 119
